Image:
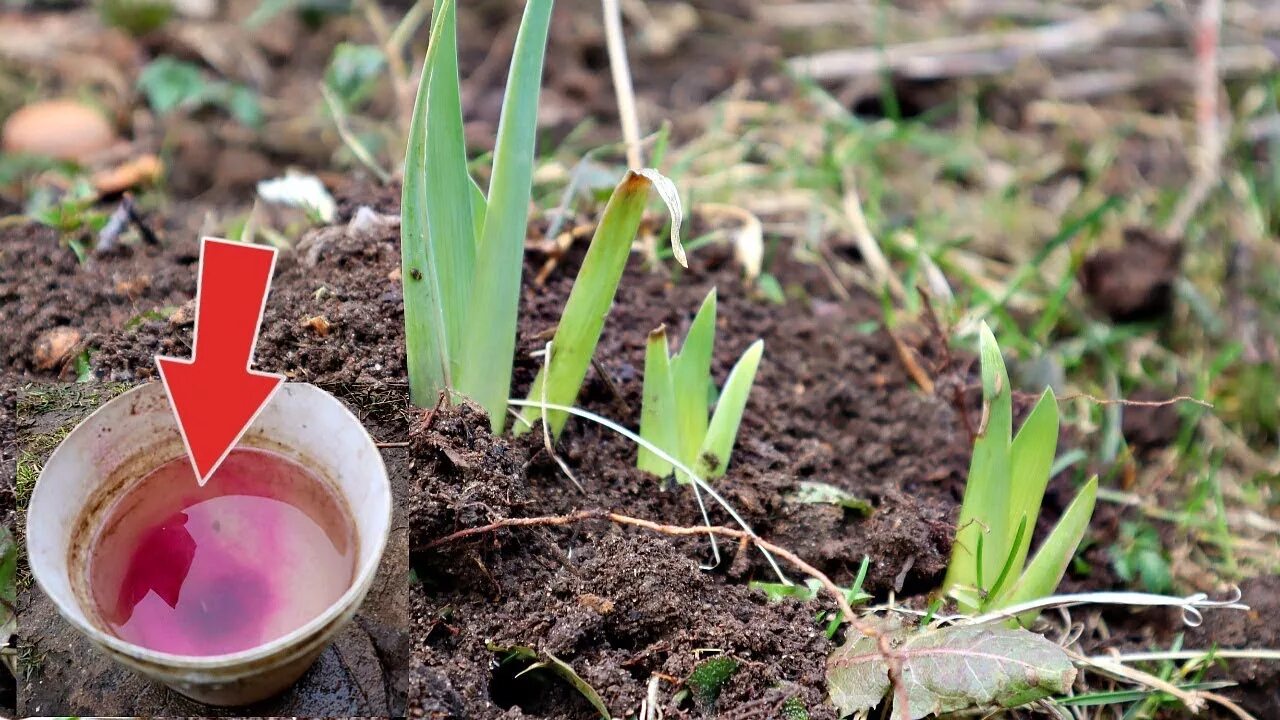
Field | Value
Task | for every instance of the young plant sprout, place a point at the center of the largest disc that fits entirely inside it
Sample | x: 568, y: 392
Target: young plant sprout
x: 1007, y: 479
x: 677, y: 392
x: 462, y: 252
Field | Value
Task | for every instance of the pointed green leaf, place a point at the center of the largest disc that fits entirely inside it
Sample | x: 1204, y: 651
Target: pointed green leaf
x: 484, y: 373
x: 589, y: 302
x: 985, y: 510
x: 722, y: 432
x: 691, y: 378
x: 657, y: 409
x: 1050, y: 563
x: 998, y: 586
x: 950, y: 669
x: 449, y: 216
x: 426, y: 344
x: 1030, y: 460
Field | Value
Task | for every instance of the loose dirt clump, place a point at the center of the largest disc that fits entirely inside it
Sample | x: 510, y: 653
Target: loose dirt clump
x: 1135, y: 281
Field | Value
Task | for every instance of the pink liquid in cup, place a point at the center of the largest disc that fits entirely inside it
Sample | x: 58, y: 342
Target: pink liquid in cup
x: 264, y: 547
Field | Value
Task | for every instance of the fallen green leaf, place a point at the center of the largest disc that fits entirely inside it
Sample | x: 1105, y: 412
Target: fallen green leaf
x: 555, y: 665
x: 820, y: 493
x: 950, y: 669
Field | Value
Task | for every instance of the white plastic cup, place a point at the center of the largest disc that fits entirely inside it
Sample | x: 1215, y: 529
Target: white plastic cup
x: 135, y: 433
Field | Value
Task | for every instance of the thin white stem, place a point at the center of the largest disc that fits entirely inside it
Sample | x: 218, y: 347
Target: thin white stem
x: 1199, y: 655
x: 1191, y: 605
x: 621, y: 71
x: 546, y: 426
x: 1207, y: 157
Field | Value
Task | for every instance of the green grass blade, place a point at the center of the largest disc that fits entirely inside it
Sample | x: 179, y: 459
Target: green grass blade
x: 985, y: 510
x: 691, y: 378
x: 425, y: 334
x: 713, y: 458
x: 479, y: 207
x: 1009, y: 564
x: 485, y: 370
x: 449, y: 214
x: 1050, y: 563
x: 589, y: 302
x: 657, y: 410
x: 1030, y: 460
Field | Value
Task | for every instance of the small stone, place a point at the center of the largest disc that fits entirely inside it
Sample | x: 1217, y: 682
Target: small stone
x: 55, y: 347
x: 319, y: 323
x: 142, y: 170
x: 394, y: 275
x: 133, y: 287
x: 184, y: 315
x: 600, y: 605
x: 63, y: 129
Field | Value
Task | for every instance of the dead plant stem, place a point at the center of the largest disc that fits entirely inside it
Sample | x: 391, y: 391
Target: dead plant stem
x: 622, y: 87
x: 1207, y: 155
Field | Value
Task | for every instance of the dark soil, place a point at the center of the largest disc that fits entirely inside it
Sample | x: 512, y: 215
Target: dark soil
x: 830, y: 404
x: 1259, y: 680
x: 8, y: 508
x: 620, y: 606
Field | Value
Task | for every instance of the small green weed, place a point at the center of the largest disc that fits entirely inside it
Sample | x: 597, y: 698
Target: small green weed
x: 1007, y: 479
x: 677, y: 392
x: 169, y: 84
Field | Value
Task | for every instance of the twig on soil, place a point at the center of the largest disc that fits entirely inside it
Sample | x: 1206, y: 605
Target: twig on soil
x: 979, y: 54
x: 948, y: 365
x: 1136, y: 403
x: 546, y: 427
x: 125, y: 214
x: 403, y: 443
x: 1193, y: 700
x: 907, y: 357
x: 109, y: 235
x: 870, y: 250
x: 698, y: 483
x: 883, y: 644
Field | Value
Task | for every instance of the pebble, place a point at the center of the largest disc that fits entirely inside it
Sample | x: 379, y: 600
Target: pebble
x: 55, y: 347
x: 63, y: 129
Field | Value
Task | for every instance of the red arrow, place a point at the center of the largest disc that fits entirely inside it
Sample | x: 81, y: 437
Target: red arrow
x: 214, y: 394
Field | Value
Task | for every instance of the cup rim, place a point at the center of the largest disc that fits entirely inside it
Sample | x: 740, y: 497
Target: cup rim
x: 359, y: 584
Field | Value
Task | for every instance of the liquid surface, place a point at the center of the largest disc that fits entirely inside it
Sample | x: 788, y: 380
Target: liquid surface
x: 264, y: 547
